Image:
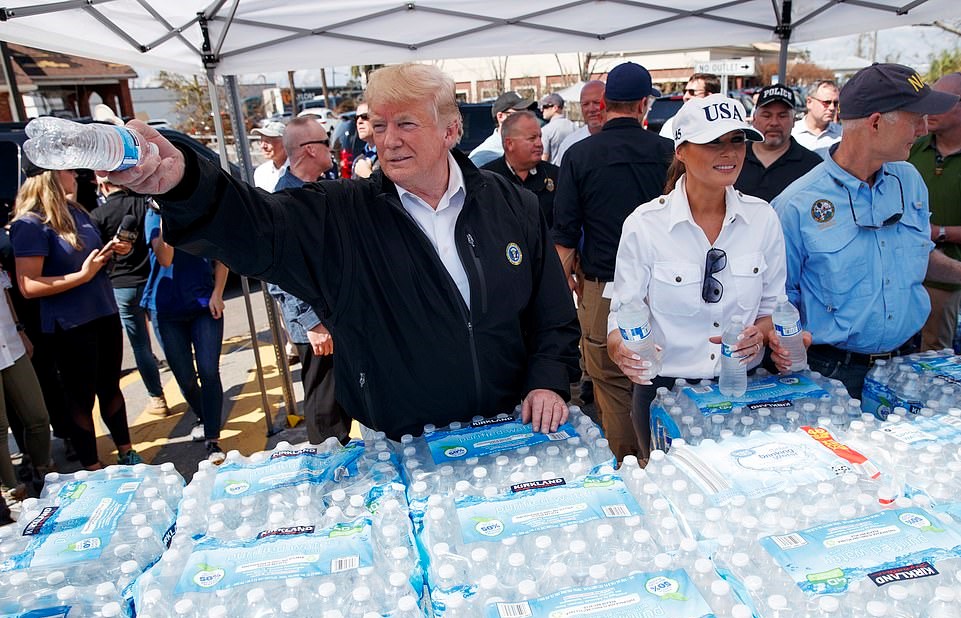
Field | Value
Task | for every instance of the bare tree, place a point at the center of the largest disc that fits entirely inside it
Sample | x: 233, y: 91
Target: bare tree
x: 498, y: 66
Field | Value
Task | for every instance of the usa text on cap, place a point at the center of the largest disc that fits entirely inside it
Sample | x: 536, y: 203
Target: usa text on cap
x: 700, y: 121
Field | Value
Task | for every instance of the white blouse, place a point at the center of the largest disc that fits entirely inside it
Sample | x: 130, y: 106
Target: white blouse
x: 661, y: 261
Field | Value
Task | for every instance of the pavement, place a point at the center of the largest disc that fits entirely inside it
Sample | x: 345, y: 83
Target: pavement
x: 162, y: 439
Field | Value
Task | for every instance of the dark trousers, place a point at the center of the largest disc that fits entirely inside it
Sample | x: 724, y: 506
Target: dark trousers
x: 196, y: 338
x: 323, y: 414
x: 89, y: 359
x: 850, y: 374
x: 644, y: 395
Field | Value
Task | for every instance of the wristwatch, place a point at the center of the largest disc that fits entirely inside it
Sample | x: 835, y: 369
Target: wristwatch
x: 942, y: 235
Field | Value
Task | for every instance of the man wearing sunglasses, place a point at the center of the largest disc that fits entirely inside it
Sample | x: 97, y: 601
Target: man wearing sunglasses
x: 819, y: 129
x: 856, y: 229
x: 699, y: 86
x: 308, y: 154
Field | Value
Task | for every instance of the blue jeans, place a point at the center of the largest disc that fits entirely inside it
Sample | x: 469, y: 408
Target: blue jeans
x: 134, y: 319
x: 198, y: 337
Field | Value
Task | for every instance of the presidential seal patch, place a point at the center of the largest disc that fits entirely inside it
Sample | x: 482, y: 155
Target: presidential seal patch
x: 514, y: 255
x: 822, y: 211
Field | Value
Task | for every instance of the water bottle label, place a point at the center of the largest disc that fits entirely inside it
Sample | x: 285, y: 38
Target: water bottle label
x: 827, y: 558
x: 447, y: 446
x: 285, y: 469
x: 638, y: 333
x: 131, y: 150
x: 658, y: 593
x: 81, y: 524
x: 299, y: 551
x: 727, y: 350
x: 787, y: 330
x: 518, y: 514
x: 709, y: 399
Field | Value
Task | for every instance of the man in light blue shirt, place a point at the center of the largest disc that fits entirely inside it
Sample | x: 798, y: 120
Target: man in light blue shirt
x: 856, y: 229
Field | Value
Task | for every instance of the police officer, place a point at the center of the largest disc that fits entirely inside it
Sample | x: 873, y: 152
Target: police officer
x: 856, y: 229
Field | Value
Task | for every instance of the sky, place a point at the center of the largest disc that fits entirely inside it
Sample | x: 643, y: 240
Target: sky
x: 911, y: 45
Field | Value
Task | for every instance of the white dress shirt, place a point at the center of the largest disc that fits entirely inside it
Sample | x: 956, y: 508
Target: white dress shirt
x: 438, y: 224
x: 661, y: 261
x: 266, y: 175
x: 11, y: 344
x: 816, y: 141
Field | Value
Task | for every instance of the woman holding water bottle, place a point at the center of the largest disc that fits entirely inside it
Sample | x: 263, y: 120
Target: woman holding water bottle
x: 699, y: 261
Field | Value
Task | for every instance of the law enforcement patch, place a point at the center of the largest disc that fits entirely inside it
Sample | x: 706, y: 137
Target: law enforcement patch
x: 822, y: 211
x: 514, y: 255
x: 549, y: 184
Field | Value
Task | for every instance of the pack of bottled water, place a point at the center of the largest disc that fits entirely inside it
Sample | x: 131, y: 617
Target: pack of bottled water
x: 927, y: 380
x: 82, y: 544
x: 497, y: 452
x: 288, y: 531
x: 821, y: 522
x: 696, y: 412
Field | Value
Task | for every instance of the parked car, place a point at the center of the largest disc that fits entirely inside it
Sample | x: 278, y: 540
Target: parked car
x: 661, y: 109
x: 478, y: 124
x: 325, y: 115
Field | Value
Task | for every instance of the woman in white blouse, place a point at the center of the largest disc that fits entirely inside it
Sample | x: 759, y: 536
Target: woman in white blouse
x: 698, y: 257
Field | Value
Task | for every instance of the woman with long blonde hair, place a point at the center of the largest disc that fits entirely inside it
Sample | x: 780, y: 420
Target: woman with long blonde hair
x: 60, y: 259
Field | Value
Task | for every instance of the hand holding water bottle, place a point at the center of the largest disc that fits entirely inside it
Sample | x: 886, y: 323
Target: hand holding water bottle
x: 161, y: 168
x: 788, y: 342
x: 632, y: 345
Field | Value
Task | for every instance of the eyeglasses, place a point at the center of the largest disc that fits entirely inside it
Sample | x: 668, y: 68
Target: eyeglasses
x: 363, y: 117
x: 546, y: 105
x: 711, y: 289
x: 316, y: 141
x: 694, y: 93
x: 828, y: 102
x: 890, y: 220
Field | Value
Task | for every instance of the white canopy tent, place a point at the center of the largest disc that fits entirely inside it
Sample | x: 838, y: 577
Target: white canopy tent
x: 254, y: 36
x: 230, y: 37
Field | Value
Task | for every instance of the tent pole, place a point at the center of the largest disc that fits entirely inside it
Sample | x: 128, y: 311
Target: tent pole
x: 224, y: 162
x: 243, y: 154
x: 783, y: 31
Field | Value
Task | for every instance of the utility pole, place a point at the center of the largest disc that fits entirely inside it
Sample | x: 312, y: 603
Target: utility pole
x: 294, y: 108
x: 323, y: 86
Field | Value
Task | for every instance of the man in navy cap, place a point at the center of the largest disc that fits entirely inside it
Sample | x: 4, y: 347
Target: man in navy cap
x: 770, y: 166
x: 492, y: 147
x: 856, y: 229
x: 602, y: 180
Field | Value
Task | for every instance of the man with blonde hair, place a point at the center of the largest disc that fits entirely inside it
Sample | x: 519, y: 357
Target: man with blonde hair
x: 437, y: 280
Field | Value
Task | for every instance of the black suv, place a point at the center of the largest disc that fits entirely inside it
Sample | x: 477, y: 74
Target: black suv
x: 478, y: 124
x: 661, y: 109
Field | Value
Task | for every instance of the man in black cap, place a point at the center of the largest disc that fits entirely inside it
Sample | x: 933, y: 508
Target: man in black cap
x: 603, y: 179
x: 492, y: 147
x: 770, y: 166
x: 856, y: 229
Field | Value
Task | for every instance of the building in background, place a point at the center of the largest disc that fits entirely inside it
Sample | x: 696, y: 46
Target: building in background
x: 63, y: 85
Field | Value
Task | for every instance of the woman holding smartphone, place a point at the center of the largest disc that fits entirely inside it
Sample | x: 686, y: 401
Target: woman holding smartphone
x: 60, y: 260
x: 698, y: 257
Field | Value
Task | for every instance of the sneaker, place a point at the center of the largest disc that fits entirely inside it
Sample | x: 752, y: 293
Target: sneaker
x: 158, y: 406
x: 129, y: 458
x: 197, y: 432
x: 214, y: 454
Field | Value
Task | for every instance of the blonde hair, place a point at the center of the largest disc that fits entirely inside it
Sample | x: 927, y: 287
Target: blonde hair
x: 44, y: 197
x: 412, y: 83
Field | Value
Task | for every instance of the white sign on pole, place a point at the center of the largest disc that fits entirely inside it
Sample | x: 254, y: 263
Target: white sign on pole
x: 730, y: 66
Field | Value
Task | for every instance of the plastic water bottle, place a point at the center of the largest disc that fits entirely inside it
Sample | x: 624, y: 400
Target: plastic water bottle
x: 635, y: 326
x: 61, y: 144
x: 787, y: 323
x: 733, y: 379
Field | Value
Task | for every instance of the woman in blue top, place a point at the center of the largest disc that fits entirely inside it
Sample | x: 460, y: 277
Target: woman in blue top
x: 60, y: 259
x: 184, y: 294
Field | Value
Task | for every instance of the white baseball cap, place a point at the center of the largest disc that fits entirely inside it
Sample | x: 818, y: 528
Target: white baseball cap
x: 701, y: 120
x: 271, y: 129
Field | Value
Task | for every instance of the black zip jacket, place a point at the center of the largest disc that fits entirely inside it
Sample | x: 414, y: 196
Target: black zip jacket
x: 409, y: 349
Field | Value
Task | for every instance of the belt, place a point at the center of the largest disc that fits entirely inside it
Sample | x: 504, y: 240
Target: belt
x: 856, y: 358
x: 596, y: 279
